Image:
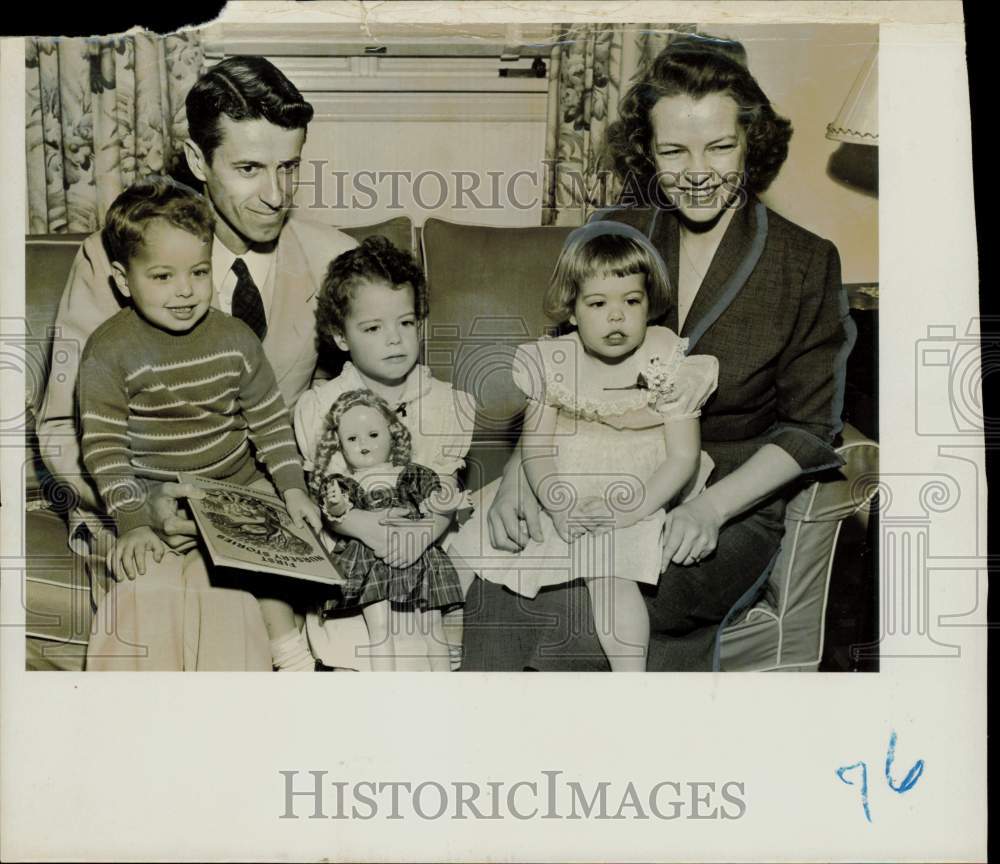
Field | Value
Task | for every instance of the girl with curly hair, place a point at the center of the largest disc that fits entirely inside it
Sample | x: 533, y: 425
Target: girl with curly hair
x: 696, y: 142
x: 372, y: 305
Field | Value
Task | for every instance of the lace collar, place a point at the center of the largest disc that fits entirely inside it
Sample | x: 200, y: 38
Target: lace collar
x: 559, y: 389
x: 418, y: 382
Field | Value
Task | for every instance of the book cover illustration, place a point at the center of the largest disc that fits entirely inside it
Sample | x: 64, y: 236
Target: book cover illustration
x: 251, y: 530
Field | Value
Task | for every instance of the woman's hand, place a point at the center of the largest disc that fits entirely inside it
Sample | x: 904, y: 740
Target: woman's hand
x: 514, y: 517
x: 303, y: 510
x: 129, y: 556
x: 691, y: 532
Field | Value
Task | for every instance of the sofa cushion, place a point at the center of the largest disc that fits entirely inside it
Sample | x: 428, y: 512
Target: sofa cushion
x: 56, y: 596
x: 399, y: 231
x: 47, y: 262
x: 845, y: 490
x: 785, y: 628
x: 486, y: 286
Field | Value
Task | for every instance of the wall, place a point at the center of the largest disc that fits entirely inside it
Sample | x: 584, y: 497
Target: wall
x: 424, y: 113
x: 806, y: 73
x: 432, y: 107
x: 431, y: 136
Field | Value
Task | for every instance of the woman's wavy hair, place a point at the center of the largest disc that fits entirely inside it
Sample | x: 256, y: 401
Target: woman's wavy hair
x: 605, y: 248
x: 696, y: 65
x: 329, y: 443
x: 374, y: 259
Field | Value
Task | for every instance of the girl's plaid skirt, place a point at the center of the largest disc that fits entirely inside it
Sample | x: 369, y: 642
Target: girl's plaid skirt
x: 431, y: 582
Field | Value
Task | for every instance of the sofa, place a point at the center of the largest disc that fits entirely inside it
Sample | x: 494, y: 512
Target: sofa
x: 484, y: 285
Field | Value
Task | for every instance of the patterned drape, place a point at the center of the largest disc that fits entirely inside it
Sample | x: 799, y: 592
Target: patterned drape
x: 592, y: 65
x: 101, y: 113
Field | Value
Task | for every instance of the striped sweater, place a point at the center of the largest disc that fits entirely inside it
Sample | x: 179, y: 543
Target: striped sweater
x: 153, y: 403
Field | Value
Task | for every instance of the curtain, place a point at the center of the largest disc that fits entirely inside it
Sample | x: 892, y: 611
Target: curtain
x: 101, y: 113
x: 591, y: 68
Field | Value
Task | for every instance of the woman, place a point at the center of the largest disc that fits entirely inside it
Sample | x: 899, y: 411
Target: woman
x: 696, y: 143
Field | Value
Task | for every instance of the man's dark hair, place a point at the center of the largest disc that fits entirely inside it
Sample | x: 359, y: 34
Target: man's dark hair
x: 242, y: 88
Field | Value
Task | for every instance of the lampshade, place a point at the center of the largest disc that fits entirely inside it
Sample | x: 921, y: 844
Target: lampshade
x: 857, y: 122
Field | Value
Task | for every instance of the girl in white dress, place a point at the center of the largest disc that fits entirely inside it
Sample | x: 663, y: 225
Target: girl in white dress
x: 606, y: 442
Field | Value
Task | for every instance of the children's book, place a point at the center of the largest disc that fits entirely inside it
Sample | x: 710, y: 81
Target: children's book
x: 251, y: 530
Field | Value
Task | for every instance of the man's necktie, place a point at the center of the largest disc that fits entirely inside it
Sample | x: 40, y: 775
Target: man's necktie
x: 247, y: 303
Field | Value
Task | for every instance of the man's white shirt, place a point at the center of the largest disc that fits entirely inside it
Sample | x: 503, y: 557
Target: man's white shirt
x: 259, y: 265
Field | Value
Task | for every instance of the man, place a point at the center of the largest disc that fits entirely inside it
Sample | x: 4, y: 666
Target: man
x: 247, y: 125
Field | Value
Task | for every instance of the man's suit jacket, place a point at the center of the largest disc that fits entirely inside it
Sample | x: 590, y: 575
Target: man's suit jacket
x: 303, y: 252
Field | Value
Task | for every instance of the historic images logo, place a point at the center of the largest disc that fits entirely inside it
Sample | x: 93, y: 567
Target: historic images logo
x: 309, y: 794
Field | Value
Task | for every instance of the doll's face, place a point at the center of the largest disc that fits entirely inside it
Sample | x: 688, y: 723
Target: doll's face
x: 364, y: 437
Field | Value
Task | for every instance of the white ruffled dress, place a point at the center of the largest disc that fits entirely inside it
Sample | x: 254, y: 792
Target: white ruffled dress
x: 608, y: 443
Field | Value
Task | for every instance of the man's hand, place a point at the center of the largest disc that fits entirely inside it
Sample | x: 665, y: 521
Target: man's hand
x: 170, y: 520
x: 691, y: 532
x: 129, y: 556
x: 514, y: 516
x: 303, y: 510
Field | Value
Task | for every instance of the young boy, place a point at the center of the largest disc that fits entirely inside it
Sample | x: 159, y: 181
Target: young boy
x: 170, y: 384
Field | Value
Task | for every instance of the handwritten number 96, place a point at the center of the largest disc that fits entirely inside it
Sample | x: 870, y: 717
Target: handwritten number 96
x: 905, y: 785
